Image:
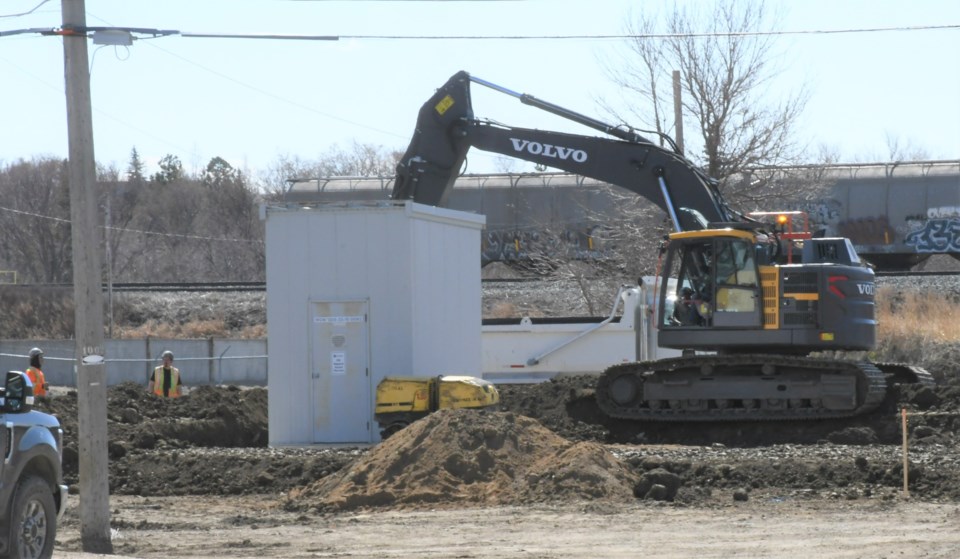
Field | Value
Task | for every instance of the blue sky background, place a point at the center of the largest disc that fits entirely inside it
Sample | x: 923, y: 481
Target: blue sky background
x: 250, y: 101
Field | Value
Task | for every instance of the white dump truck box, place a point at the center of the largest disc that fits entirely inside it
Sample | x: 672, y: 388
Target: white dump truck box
x: 534, y: 350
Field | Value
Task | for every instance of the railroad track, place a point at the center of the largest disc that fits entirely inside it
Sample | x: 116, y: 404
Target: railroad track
x: 916, y: 274
x: 236, y: 286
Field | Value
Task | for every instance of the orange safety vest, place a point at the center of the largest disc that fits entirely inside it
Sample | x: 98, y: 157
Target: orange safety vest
x: 39, y: 382
x: 158, y: 381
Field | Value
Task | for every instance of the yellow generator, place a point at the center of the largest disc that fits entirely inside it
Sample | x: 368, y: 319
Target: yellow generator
x: 403, y: 400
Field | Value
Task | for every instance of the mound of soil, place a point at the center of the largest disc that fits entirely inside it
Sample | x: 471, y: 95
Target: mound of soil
x: 464, y: 456
x: 154, y: 442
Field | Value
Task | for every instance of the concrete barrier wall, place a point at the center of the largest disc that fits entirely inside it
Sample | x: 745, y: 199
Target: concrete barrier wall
x: 207, y: 361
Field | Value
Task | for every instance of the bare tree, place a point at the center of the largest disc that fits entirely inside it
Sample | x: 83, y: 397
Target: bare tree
x: 35, y: 229
x: 273, y: 180
x: 904, y: 150
x: 605, y: 249
x: 119, y: 200
x: 724, y: 73
x: 359, y: 160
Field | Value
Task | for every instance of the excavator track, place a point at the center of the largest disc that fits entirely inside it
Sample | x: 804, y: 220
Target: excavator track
x: 899, y: 373
x: 747, y: 387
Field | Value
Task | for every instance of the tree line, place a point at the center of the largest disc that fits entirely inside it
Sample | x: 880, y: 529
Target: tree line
x: 168, y: 226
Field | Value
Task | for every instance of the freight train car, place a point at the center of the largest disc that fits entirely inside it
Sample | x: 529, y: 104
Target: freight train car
x: 899, y: 218
x: 539, y: 213
x: 896, y: 214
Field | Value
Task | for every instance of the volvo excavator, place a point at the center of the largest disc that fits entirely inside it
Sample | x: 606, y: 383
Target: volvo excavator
x: 746, y: 298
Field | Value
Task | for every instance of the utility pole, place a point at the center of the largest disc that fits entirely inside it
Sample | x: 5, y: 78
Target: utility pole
x: 677, y: 111
x: 87, y: 287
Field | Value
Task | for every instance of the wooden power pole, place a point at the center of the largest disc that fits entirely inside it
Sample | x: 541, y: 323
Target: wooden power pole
x: 677, y: 111
x: 87, y: 290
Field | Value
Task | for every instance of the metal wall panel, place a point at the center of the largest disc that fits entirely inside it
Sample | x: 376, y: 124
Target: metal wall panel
x: 404, y: 259
x: 288, y: 243
x: 446, y: 313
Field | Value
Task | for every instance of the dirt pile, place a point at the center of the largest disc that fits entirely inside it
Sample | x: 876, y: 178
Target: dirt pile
x: 463, y: 456
x: 153, y: 442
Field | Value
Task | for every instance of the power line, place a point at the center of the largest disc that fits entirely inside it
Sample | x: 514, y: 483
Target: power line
x: 654, y: 35
x: 60, y: 220
x: 275, y: 96
x: 154, y: 33
x: 28, y: 12
x: 260, y: 90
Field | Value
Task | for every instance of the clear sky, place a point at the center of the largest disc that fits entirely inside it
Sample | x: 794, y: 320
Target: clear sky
x: 250, y: 101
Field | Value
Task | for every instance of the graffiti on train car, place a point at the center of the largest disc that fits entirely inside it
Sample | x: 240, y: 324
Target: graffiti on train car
x: 868, y: 231
x: 824, y: 214
x: 936, y: 235
x: 587, y: 242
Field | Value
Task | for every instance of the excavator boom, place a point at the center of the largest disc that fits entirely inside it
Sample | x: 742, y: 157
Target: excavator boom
x: 447, y: 129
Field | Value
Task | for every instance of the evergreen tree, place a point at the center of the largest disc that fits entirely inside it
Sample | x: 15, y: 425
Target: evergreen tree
x: 135, y: 167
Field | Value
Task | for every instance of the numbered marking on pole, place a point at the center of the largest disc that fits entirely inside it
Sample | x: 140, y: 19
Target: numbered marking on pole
x: 92, y: 355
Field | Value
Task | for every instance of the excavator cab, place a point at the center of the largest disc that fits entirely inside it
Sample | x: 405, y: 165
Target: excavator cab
x: 712, y: 279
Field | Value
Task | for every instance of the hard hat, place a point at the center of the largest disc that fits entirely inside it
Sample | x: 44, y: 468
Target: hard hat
x: 167, y: 353
x: 35, y: 352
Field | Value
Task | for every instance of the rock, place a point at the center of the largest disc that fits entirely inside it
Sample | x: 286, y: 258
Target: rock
x: 741, y: 495
x: 854, y: 436
x: 657, y: 493
x: 128, y: 415
x: 116, y: 450
x: 652, y: 462
x: 145, y: 440
x: 670, y: 482
x: 923, y: 397
x: 924, y: 431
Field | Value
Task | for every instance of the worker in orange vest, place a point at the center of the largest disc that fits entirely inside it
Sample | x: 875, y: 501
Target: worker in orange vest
x: 35, y: 374
x: 165, y: 380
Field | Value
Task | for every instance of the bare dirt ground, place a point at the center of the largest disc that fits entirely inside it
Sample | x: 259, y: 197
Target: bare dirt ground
x: 545, y: 475
x: 772, y: 527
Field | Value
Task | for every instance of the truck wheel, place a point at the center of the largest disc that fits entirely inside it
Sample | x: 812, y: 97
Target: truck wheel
x: 33, y: 520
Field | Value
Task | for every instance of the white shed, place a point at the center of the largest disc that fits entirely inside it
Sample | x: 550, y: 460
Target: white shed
x: 359, y: 291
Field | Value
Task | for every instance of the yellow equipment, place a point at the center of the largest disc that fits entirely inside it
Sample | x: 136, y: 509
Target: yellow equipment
x: 403, y: 400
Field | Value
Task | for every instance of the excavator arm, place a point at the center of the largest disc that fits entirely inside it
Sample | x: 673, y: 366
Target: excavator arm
x: 447, y: 129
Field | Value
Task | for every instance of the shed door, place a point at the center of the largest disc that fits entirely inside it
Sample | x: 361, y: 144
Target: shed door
x: 340, y: 372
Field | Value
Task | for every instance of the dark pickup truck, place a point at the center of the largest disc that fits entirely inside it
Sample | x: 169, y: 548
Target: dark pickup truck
x: 32, y: 493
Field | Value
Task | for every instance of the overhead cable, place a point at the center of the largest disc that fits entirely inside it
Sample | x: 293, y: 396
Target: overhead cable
x: 26, y: 13
x: 275, y: 36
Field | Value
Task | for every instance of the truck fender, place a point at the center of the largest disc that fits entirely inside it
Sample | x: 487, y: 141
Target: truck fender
x: 37, y: 436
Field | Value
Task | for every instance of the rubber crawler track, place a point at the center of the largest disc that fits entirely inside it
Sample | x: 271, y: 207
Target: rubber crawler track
x: 871, y: 387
